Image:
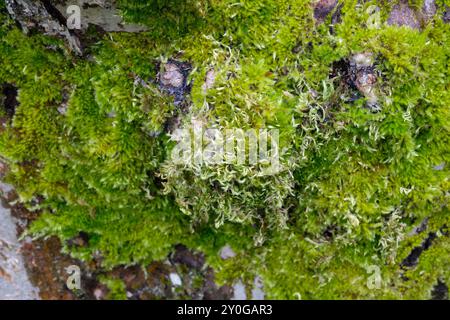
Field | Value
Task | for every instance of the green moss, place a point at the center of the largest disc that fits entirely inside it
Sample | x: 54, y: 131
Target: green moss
x: 117, y: 290
x: 353, y: 185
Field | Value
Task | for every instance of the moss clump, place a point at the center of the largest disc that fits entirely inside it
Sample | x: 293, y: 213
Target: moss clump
x: 335, y: 223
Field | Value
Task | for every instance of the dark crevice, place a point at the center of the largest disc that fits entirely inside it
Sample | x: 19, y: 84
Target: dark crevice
x: 331, y: 232
x: 168, y: 84
x: 440, y: 291
x: 413, y: 258
x: 10, y: 102
x: 183, y: 255
x: 55, y: 13
x: 336, y: 18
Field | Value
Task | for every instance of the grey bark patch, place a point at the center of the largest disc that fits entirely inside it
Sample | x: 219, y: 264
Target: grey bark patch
x: 175, y: 279
x: 52, y: 19
x: 439, y: 167
x: 172, y: 79
x: 420, y: 228
x: 429, y: 9
x: 227, y: 252
x: 172, y: 76
x: 403, y: 15
x: 36, y: 15
x: 322, y: 8
x: 64, y: 106
x: 14, y: 282
x: 100, y: 293
x: 365, y: 78
x: 337, y: 15
x: 359, y: 73
x: 446, y: 16
x: 239, y: 292
x: 210, y: 78
x: 62, y: 109
x: 257, y: 291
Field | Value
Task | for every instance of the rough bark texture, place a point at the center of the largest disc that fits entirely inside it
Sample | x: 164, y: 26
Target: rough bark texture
x: 37, y: 15
x: 51, y: 19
